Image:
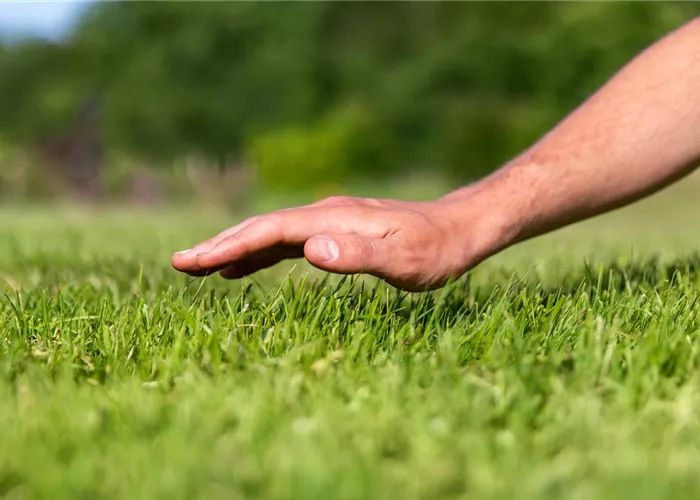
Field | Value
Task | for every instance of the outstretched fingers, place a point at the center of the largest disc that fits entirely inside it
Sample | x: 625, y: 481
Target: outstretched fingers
x: 290, y: 229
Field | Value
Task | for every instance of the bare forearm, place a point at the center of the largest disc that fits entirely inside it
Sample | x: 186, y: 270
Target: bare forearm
x: 637, y: 134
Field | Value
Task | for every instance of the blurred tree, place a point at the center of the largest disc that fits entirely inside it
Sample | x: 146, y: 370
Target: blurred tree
x: 199, y: 77
x: 459, y: 86
x: 343, y: 143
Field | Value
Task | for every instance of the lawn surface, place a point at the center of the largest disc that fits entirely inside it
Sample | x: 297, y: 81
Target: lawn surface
x: 564, y: 368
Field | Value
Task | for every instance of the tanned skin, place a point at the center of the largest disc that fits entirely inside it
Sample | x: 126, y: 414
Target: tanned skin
x: 636, y: 135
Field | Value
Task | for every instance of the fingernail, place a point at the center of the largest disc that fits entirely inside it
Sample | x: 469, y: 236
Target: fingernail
x: 326, y: 249
x: 183, y: 251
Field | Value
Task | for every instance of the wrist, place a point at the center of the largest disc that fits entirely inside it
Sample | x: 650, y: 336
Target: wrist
x: 489, y: 216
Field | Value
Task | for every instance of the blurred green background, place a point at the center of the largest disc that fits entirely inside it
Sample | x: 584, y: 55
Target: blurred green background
x: 230, y: 103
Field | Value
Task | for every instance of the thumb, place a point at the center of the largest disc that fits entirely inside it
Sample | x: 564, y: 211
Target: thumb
x: 347, y: 254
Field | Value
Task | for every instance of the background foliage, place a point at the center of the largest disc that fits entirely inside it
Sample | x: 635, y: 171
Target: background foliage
x: 306, y: 93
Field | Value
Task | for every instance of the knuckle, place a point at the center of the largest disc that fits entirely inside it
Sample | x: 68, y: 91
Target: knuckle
x: 201, y: 262
x: 350, y: 201
x: 363, y: 249
x: 253, y: 220
x: 338, y: 200
x: 367, y: 250
x: 271, y: 223
x: 373, y: 202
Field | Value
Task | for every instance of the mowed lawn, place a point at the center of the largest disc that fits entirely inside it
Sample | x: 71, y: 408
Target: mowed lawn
x: 567, y: 367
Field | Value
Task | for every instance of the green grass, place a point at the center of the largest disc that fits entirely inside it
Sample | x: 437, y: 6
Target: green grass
x: 563, y: 368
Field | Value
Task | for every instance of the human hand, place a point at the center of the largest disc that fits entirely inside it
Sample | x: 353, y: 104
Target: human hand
x: 413, y: 246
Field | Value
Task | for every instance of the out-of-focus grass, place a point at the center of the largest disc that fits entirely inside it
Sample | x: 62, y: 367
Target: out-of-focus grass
x: 564, y: 367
